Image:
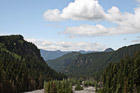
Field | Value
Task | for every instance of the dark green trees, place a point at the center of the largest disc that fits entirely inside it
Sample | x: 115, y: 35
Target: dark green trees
x: 123, y: 77
x: 89, y: 83
x: 55, y: 86
x: 21, y: 66
x: 78, y: 86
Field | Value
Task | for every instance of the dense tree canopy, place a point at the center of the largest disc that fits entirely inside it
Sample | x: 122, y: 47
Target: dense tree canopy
x: 123, y: 77
x: 21, y: 66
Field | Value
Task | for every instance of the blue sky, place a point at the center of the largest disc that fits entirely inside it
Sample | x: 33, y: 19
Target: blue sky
x: 26, y: 17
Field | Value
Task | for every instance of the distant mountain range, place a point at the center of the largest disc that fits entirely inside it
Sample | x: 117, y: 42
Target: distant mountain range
x: 84, y: 65
x: 50, y: 55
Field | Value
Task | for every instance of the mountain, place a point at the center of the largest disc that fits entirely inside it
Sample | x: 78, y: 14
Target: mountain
x: 122, y: 77
x: 50, y: 55
x: 60, y: 63
x: 21, y: 66
x: 109, y: 50
x: 86, y: 65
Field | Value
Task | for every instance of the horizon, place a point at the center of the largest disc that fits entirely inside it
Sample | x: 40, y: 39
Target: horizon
x: 95, y: 26
x: 73, y: 50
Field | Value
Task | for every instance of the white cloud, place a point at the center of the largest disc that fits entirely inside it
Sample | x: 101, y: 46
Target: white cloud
x: 124, y: 19
x: 86, y: 30
x: 114, y: 15
x: 67, y: 46
x: 91, y: 10
x: 126, y: 23
x: 53, y: 15
x: 77, y: 10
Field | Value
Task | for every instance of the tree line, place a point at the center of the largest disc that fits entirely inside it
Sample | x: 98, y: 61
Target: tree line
x: 122, y: 77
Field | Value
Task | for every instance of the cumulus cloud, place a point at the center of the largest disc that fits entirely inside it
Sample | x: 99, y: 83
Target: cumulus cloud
x: 77, y: 10
x: 124, y: 19
x: 126, y: 23
x: 67, y: 46
x: 87, y: 10
x: 91, y: 10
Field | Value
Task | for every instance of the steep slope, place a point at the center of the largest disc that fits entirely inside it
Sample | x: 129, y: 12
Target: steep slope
x: 21, y: 66
x: 86, y: 65
x: 122, y: 77
x: 60, y: 63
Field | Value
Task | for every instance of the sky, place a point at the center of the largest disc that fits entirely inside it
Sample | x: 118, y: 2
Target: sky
x: 73, y: 24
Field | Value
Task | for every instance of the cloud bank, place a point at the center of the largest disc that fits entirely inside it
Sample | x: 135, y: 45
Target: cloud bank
x: 67, y: 46
x: 91, y: 10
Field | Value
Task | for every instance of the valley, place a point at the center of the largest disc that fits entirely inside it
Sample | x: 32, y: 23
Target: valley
x: 76, y: 64
x: 69, y: 46
x: 111, y: 71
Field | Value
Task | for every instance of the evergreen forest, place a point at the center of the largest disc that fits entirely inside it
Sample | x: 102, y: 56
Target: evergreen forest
x: 21, y: 66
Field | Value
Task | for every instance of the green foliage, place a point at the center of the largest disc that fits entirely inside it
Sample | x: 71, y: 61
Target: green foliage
x: 89, y: 83
x: 88, y: 65
x: 55, y: 86
x: 60, y: 63
x: 78, y: 86
x: 21, y: 66
x: 123, y: 77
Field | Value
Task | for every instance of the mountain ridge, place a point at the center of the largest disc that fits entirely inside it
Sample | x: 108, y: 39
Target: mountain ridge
x: 91, y: 63
x: 50, y: 55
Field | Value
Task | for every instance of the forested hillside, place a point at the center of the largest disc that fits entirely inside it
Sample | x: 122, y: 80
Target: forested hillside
x: 21, y: 66
x: 50, y: 55
x: 123, y: 77
x: 59, y: 64
x: 87, y: 65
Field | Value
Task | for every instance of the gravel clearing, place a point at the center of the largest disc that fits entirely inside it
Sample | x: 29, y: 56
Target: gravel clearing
x: 86, y: 90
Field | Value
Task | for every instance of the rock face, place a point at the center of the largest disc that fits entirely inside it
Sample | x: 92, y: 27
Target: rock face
x: 109, y: 50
